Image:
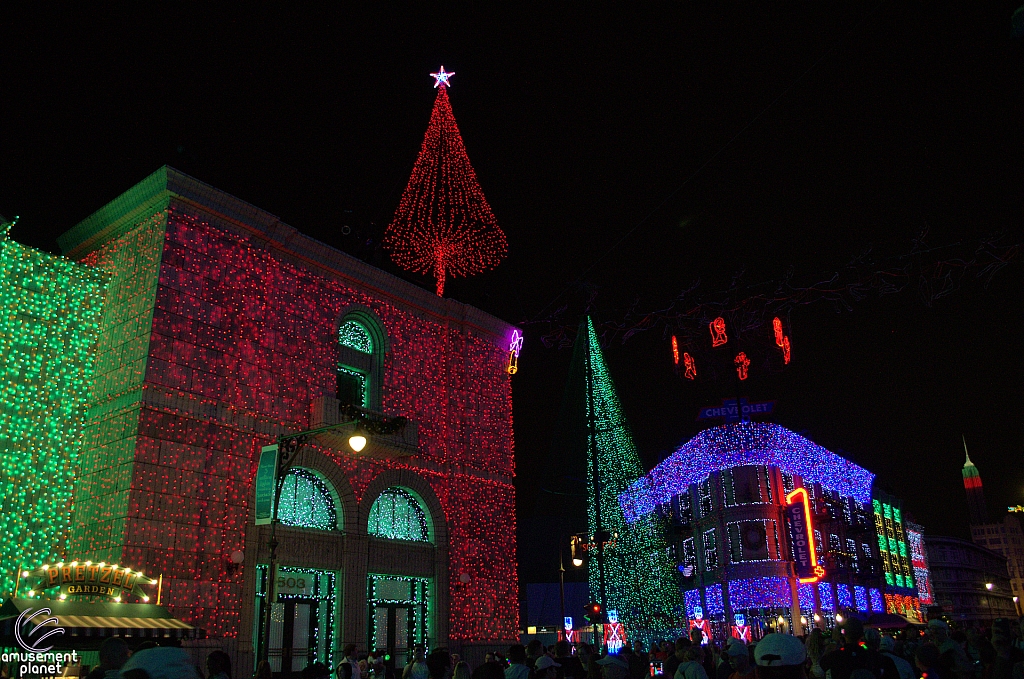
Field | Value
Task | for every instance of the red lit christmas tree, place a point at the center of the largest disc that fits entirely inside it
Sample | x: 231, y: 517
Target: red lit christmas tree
x: 443, y: 224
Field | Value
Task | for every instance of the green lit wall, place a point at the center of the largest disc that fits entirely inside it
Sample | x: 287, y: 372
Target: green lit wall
x: 50, y: 310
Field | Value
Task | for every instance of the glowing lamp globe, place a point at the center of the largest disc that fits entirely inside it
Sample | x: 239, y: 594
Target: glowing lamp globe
x: 357, y: 442
x: 577, y: 562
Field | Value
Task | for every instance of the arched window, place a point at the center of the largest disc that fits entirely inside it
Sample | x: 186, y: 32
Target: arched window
x: 361, y: 345
x: 306, y: 501
x: 398, y: 515
x: 352, y: 334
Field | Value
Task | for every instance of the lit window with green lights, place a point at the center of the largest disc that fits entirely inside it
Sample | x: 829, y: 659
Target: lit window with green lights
x: 353, y: 335
x: 306, y: 501
x: 398, y: 515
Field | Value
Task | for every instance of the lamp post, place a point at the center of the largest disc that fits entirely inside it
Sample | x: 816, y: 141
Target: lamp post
x: 287, y: 447
x: 988, y: 598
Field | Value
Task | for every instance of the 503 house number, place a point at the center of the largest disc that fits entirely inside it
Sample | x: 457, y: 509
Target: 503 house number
x: 287, y: 584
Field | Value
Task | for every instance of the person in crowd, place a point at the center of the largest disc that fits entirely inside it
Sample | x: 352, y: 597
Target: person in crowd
x: 677, y: 658
x: 691, y: 667
x: 613, y: 667
x: 953, y: 662
x: 851, y: 655
x: 490, y: 669
x: 113, y: 655
x: 779, y: 656
x: 569, y: 665
x: 545, y: 668
x: 928, y: 660
x: 887, y: 647
x: 813, y: 646
x: 348, y: 668
x: 881, y: 665
x: 461, y: 670
x: 218, y: 665
x: 738, y: 656
x: 724, y: 667
x: 534, y: 650
x: 159, y: 663
x: 517, y: 669
x: 262, y: 670
x: 1005, y: 657
x: 439, y: 664
x: 417, y: 668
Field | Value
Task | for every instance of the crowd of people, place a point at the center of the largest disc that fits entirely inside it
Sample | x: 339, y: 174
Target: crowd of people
x: 847, y: 652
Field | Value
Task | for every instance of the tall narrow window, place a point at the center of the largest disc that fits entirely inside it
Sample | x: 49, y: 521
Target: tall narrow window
x: 355, y: 363
x: 710, y: 550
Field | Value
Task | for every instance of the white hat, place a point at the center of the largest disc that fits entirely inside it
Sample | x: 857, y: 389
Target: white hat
x: 776, y: 650
x: 614, y: 660
x: 544, y: 662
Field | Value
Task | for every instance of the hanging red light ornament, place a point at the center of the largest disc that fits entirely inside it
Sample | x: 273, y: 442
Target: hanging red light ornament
x: 443, y: 224
x: 742, y: 363
x: 781, y: 340
x: 718, y: 336
x: 675, y: 350
x: 691, y: 367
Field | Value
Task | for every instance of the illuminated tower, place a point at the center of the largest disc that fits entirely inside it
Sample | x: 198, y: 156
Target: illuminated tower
x: 975, y: 495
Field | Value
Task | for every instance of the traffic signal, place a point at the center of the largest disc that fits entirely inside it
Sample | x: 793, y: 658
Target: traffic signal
x: 594, y: 613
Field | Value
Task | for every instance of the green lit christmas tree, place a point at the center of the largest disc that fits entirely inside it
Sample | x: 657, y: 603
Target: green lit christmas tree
x: 639, y: 579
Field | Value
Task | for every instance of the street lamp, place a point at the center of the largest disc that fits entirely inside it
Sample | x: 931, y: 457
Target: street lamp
x: 989, y: 586
x: 287, y: 447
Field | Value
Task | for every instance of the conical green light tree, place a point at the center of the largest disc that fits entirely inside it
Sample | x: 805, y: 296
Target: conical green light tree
x: 640, y: 581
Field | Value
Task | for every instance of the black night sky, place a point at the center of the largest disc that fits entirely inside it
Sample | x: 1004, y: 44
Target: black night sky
x: 627, y: 150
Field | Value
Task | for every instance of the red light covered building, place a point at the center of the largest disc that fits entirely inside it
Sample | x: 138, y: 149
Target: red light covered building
x: 223, y: 328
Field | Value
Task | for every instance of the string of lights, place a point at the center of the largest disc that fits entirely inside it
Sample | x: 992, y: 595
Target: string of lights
x: 750, y: 309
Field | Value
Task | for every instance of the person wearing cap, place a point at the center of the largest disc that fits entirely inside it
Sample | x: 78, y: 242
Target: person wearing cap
x: 613, y: 667
x: 739, y: 660
x: 545, y: 667
x: 779, y: 656
x: 691, y: 667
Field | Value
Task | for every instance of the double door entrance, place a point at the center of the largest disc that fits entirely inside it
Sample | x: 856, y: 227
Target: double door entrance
x: 293, y: 642
x: 399, y: 615
x: 301, y: 618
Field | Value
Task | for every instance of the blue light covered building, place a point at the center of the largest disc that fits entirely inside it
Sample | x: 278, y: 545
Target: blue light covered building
x: 770, y: 531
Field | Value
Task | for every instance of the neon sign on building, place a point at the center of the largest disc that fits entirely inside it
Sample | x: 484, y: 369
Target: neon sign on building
x: 801, y: 534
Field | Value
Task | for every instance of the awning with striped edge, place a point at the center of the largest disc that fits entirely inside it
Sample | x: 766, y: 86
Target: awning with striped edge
x: 103, y: 619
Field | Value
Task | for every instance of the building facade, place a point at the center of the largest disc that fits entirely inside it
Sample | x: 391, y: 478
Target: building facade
x: 970, y: 582
x: 745, y: 557
x: 50, y: 310
x: 224, y: 328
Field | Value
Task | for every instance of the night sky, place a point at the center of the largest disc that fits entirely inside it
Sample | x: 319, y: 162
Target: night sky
x: 626, y: 150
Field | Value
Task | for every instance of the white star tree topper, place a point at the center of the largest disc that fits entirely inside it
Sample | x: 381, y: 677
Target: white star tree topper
x: 441, y: 78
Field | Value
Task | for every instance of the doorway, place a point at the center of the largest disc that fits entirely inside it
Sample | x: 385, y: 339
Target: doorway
x: 301, y: 619
x: 398, y: 616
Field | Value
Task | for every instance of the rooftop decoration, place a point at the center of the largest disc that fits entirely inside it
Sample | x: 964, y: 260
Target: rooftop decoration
x: 739, y: 444
x: 443, y: 225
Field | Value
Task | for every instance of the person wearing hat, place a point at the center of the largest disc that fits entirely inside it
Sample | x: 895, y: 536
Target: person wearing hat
x: 613, y: 667
x: 779, y: 656
x: 545, y: 667
x: 739, y: 659
x: 691, y: 667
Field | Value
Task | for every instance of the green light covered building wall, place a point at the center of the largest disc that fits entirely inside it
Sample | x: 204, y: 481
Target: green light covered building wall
x: 50, y: 310
x: 640, y: 579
